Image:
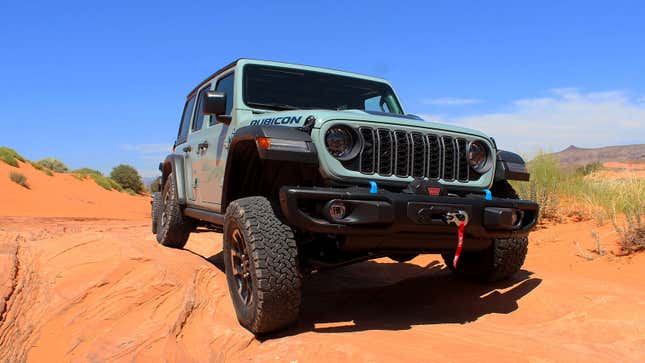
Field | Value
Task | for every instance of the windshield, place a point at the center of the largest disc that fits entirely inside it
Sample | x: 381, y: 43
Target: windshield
x: 277, y: 88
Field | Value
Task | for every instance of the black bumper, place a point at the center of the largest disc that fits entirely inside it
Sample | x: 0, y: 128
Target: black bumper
x: 387, y: 220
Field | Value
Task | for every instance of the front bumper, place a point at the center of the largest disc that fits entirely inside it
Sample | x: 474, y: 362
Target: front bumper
x: 401, y: 221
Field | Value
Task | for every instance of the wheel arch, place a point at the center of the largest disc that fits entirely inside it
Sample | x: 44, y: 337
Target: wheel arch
x: 251, y: 170
x: 174, y: 164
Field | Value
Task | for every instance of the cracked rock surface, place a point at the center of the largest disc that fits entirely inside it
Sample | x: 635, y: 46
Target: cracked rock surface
x: 79, y: 289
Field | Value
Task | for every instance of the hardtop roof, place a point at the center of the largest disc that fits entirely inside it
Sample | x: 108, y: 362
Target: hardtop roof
x: 283, y: 64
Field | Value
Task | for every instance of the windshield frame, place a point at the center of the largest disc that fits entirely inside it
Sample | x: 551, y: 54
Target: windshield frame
x: 332, y: 73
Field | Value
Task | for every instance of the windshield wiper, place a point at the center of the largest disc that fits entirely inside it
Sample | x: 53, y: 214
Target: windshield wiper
x: 274, y: 106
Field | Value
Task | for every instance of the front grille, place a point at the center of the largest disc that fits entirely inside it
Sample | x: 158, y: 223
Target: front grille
x: 404, y: 154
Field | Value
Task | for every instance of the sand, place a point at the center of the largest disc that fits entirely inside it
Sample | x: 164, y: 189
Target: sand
x: 82, y: 279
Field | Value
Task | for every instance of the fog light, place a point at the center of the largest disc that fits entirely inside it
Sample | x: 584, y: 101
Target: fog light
x: 516, y: 218
x: 337, y: 210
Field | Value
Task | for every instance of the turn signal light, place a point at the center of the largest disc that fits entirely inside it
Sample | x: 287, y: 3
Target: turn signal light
x: 264, y: 142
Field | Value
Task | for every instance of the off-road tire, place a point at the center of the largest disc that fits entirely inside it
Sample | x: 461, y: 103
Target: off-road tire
x: 501, y: 260
x: 155, y: 211
x: 173, y: 228
x: 402, y: 257
x: 272, y: 254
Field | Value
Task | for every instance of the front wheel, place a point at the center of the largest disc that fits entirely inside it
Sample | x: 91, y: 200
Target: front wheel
x: 261, y: 261
x: 501, y: 260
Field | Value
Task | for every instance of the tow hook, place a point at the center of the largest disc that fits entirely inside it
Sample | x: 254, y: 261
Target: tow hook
x: 460, y: 219
x: 457, y: 218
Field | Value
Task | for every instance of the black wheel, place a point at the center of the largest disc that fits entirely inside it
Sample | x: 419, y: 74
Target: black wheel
x: 261, y: 261
x: 156, y: 211
x: 501, y: 260
x: 402, y: 257
x: 173, y: 228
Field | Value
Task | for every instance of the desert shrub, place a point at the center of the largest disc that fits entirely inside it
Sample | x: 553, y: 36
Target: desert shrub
x: 155, y: 186
x: 86, y: 171
x: 10, y: 156
x: 130, y: 191
x: 53, y: 165
x: 19, y: 179
x: 589, y: 169
x: 632, y: 232
x: 98, y: 177
x: 114, y: 184
x: 41, y: 168
x: 128, y: 177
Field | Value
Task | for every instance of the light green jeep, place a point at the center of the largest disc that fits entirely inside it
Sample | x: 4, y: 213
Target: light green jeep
x: 305, y: 168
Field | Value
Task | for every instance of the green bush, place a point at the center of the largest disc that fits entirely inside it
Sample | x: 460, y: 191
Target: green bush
x: 155, y: 186
x: 114, y: 184
x: 128, y: 178
x: 86, y: 171
x: 19, y: 179
x: 53, y: 165
x: 10, y: 156
x: 41, y: 168
x: 98, y: 177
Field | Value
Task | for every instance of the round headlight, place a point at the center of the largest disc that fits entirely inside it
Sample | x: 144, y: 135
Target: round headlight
x: 478, y: 157
x: 339, y: 141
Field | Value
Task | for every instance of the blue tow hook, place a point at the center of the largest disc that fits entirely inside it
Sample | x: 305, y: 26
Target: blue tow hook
x: 489, y: 195
x: 373, y: 187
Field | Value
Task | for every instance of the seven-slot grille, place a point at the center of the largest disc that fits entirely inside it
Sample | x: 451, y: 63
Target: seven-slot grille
x: 403, y: 154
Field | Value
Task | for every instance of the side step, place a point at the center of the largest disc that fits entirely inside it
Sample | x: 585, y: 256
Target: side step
x: 205, y: 215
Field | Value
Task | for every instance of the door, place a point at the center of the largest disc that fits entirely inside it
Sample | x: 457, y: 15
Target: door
x: 196, y: 146
x: 214, y: 158
x: 183, y: 147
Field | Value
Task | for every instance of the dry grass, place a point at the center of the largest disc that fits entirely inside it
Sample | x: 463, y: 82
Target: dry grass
x: 587, y: 193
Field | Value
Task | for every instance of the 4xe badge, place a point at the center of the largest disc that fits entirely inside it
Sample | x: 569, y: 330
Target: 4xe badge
x: 285, y: 120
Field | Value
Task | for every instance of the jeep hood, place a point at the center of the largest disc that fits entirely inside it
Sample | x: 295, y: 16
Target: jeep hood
x: 296, y: 118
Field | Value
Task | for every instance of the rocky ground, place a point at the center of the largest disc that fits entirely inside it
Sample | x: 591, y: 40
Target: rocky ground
x: 84, y: 289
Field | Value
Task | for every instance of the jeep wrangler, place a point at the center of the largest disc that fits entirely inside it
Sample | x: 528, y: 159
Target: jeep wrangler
x: 305, y: 168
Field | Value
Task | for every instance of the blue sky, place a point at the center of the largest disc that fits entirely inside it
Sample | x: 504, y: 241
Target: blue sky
x: 101, y: 85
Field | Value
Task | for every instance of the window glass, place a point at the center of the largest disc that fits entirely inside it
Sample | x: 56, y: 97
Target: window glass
x: 377, y: 104
x: 185, y: 121
x: 278, y: 88
x: 225, y: 85
x: 199, y: 116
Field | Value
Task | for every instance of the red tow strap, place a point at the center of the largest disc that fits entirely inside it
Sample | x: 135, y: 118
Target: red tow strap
x: 460, y: 242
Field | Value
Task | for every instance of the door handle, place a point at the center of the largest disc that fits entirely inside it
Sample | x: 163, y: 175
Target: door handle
x: 187, y: 149
x: 203, y: 146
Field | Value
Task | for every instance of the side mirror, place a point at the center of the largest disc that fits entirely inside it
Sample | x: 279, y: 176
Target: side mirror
x: 214, y: 103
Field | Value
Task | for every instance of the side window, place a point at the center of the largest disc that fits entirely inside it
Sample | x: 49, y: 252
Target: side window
x: 199, y: 116
x: 376, y: 104
x: 185, y: 121
x: 226, y: 85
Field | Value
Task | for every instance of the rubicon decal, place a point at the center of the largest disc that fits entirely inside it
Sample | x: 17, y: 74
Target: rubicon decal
x: 285, y: 120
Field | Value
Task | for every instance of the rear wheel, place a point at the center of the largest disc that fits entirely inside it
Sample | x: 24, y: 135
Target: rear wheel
x: 261, y: 260
x: 173, y: 228
x: 156, y: 211
x: 501, y: 260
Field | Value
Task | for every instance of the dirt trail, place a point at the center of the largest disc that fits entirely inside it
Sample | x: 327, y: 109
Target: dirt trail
x: 95, y: 289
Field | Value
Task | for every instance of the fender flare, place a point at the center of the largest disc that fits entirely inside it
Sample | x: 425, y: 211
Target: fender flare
x: 252, y: 133
x: 510, y: 166
x: 174, y: 163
